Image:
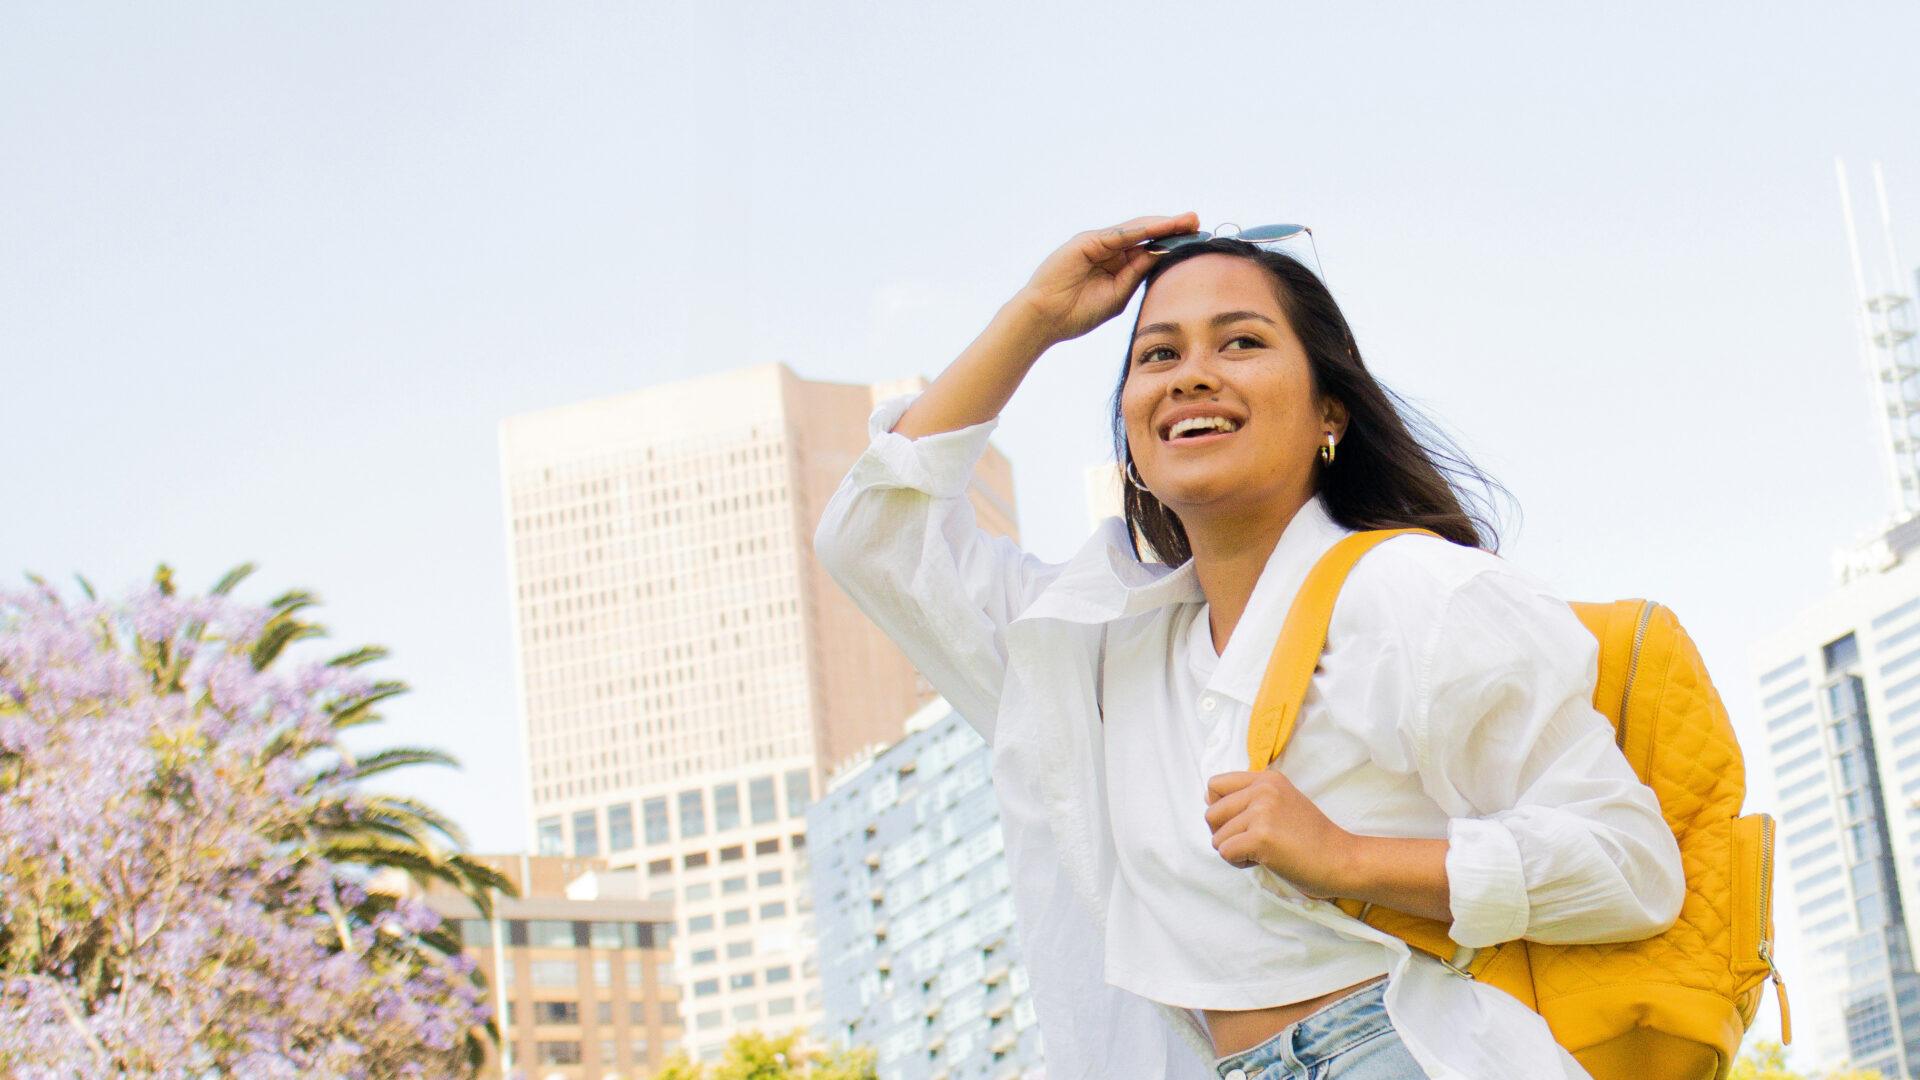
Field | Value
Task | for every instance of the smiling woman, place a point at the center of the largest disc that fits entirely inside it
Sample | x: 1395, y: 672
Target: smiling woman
x: 1282, y: 364
x: 1447, y: 760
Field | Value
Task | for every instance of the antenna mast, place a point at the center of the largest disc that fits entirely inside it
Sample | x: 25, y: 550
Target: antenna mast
x: 1889, y: 351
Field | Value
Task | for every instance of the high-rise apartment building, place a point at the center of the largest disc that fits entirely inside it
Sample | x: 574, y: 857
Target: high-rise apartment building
x: 919, y: 955
x: 686, y: 670
x: 1840, y: 698
x: 1839, y: 690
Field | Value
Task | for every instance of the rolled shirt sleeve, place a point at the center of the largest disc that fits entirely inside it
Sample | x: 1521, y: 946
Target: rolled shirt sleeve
x: 940, y: 465
x: 900, y: 536
x: 1551, y: 837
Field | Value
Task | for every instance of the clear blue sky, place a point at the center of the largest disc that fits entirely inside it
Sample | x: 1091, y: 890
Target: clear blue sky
x: 270, y: 275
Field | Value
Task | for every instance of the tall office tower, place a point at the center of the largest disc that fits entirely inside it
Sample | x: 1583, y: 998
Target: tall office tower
x: 920, y: 959
x: 1840, y: 696
x: 687, y: 671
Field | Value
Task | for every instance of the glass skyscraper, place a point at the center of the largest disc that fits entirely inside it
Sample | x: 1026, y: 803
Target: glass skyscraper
x: 1840, y: 697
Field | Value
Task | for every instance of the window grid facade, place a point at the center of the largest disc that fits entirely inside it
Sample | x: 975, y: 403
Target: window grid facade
x: 681, y: 659
x: 1839, y: 698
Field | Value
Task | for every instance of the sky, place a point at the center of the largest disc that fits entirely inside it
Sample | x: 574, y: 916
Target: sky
x: 271, y: 274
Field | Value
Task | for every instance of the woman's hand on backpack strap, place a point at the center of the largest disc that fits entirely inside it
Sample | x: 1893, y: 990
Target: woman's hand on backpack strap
x: 1090, y: 277
x: 1261, y: 818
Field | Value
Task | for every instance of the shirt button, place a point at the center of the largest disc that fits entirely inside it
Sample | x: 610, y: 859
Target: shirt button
x: 1237, y: 1074
x: 1207, y: 702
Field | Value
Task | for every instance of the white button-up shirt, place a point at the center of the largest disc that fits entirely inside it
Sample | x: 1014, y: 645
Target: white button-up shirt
x: 1454, y: 699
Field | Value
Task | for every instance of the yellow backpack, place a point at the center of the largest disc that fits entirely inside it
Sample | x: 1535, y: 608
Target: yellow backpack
x: 1670, y: 1007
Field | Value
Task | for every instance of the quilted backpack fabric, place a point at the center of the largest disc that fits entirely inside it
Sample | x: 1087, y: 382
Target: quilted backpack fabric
x: 1670, y: 1007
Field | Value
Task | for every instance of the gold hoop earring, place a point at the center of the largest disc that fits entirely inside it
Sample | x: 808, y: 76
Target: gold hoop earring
x: 1326, y: 452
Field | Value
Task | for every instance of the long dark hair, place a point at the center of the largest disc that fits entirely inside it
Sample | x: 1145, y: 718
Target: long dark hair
x: 1387, y: 473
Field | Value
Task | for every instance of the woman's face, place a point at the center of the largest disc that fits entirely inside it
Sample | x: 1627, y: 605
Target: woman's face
x: 1213, y: 341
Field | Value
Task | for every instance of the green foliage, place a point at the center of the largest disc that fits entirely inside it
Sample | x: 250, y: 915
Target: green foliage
x: 1767, y: 1060
x: 754, y: 1055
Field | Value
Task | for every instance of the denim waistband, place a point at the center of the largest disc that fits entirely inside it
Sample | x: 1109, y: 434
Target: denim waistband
x: 1319, y: 1035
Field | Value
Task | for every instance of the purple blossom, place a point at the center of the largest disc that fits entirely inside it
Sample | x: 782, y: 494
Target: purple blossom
x: 137, y: 825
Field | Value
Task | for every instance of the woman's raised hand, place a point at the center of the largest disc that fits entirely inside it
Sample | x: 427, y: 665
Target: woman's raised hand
x: 1090, y: 278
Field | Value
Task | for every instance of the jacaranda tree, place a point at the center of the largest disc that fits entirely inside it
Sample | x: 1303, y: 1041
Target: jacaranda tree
x: 185, y: 845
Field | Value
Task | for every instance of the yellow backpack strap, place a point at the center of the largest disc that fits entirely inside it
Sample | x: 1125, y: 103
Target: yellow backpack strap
x: 1277, y: 706
x: 1302, y: 637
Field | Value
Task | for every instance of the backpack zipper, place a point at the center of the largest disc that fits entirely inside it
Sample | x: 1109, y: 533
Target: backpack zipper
x: 1633, y: 665
x: 1766, y: 911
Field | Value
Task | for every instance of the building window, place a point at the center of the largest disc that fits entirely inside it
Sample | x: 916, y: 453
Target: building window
x: 555, y: 973
x: 736, y: 917
x: 770, y: 877
x: 775, y: 910
x: 733, y: 885
x: 636, y: 1012
x: 705, y: 956
x: 760, y: 800
x: 693, y: 814
x: 550, y: 933
x: 608, y: 1055
x: 603, y: 972
x: 603, y: 1013
x: 693, y: 859
x: 749, y: 1011
x: 476, y: 933
x: 1841, y: 653
x: 559, y: 1053
x: 799, y: 791
x: 613, y: 935
x: 655, y: 812
x: 660, y: 866
x: 551, y: 842
x: 700, y: 891
x: 699, y: 924
x: 706, y: 987
x: 1785, y: 669
x: 726, y: 807
x: 586, y: 838
x: 738, y: 949
x: 767, y: 847
x: 779, y: 1006
x: 620, y: 827
x: 783, y: 973
x: 556, y: 1012
x: 741, y: 981
x: 633, y: 974
x: 732, y: 854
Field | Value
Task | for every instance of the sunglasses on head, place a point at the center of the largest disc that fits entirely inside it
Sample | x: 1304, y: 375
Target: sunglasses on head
x: 1260, y: 236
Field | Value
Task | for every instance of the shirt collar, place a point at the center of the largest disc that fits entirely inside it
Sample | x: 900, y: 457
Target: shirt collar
x: 1244, y: 663
x: 1104, y: 581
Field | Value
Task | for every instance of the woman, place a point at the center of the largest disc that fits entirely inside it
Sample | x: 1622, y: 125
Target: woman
x: 1174, y: 907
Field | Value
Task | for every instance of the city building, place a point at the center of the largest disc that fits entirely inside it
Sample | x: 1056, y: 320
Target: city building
x: 580, y: 965
x: 687, y: 671
x: 1839, y: 691
x: 919, y: 958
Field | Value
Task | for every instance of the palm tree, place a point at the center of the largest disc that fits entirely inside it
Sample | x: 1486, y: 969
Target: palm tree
x: 336, y: 822
x: 330, y: 818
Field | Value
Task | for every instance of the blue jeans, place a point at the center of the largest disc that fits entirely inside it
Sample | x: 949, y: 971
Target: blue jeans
x: 1349, y: 1039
